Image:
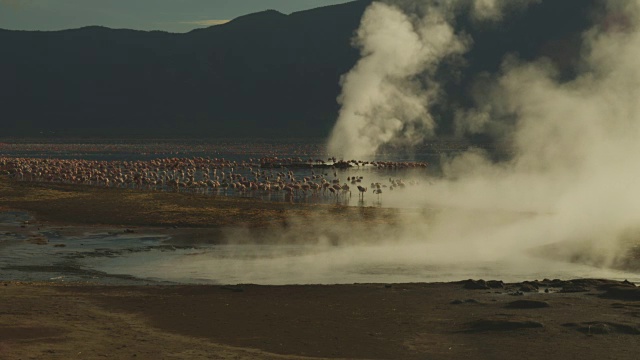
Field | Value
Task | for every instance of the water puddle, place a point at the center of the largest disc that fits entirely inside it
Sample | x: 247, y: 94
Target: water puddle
x: 123, y: 257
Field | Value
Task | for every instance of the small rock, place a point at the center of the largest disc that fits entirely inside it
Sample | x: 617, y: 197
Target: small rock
x: 503, y: 325
x: 495, y: 284
x: 597, y: 329
x: 528, y: 287
x: 623, y: 293
x: 527, y: 304
x: 233, y: 288
x: 468, y: 301
x: 476, y: 285
x: 573, y: 289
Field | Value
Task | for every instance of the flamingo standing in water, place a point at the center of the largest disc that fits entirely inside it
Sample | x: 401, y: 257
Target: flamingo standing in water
x: 378, y: 191
x: 362, y: 190
x: 345, y: 189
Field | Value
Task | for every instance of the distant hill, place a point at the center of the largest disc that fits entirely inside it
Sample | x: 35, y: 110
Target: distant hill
x: 264, y: 74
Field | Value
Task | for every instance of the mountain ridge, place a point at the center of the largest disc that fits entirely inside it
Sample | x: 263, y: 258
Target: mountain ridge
x: 263, y: 74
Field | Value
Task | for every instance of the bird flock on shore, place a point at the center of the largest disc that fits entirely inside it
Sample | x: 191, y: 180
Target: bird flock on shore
x: 292, y: 177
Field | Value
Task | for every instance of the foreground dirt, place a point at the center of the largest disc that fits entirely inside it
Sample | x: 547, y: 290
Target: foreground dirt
x: 372, y: 321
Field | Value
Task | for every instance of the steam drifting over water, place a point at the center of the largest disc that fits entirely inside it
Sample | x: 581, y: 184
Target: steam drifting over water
x: 574, y: 141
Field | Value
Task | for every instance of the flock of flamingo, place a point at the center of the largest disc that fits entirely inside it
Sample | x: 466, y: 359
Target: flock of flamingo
x: 293, y: 177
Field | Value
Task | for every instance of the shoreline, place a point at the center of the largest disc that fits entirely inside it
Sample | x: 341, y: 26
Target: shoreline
x: 585, y: 318
x: 208, y: 221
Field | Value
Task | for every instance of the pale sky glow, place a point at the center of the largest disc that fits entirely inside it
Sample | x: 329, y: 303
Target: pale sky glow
x: 167, y: 15
x: 206, y: 22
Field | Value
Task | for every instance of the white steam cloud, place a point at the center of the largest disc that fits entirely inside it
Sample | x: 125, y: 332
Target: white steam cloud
x: 382, y: 99
x: 570, y: 191
x: 387, y: 96
x: 575, y: 169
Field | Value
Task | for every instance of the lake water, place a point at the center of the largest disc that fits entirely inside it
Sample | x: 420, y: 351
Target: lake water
x: 122, y: 258
x: 250, y: 150
x: 118, y: 257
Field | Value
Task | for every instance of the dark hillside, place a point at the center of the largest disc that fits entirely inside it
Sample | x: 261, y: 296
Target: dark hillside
x: 264, y: 74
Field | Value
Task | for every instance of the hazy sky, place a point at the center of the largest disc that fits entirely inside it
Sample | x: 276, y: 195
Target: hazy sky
x: 168, y: 15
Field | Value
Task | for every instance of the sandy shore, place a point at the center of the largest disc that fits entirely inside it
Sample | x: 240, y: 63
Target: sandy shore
x: 586, y: 319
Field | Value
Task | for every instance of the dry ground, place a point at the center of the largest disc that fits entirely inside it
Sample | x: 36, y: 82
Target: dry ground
x: 402, y: 321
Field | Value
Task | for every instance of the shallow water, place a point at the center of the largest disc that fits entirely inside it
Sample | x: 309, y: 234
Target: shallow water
x: 60, y: 259
x: 279, y: 265
x: 119, y: 258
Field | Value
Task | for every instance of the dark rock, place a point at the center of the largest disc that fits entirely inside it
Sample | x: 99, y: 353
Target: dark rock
x: 597, y: 329
x: 503, y: 325
x: 527, y: 304
x: 468, y: 301
x: 573, y: 289
x: 603, y: 328
x: 570, y: 325
x: 476, y: 285
x: 528, y: 287
x: 233, y: 288
x: 495, y: 284
x: 623, y: 293
x: 598, y: 283
x: 625, y: 283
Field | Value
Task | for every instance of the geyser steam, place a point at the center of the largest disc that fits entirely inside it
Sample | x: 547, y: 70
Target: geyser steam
x: 382, y: 100
x: 568, y: 191
x: 387, y: 96
x: 575, y: 143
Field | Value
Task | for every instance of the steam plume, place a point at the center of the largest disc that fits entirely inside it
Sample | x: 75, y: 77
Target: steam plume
x: 574, y: 143
x: 382, y: 99
x: 387, y: 96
